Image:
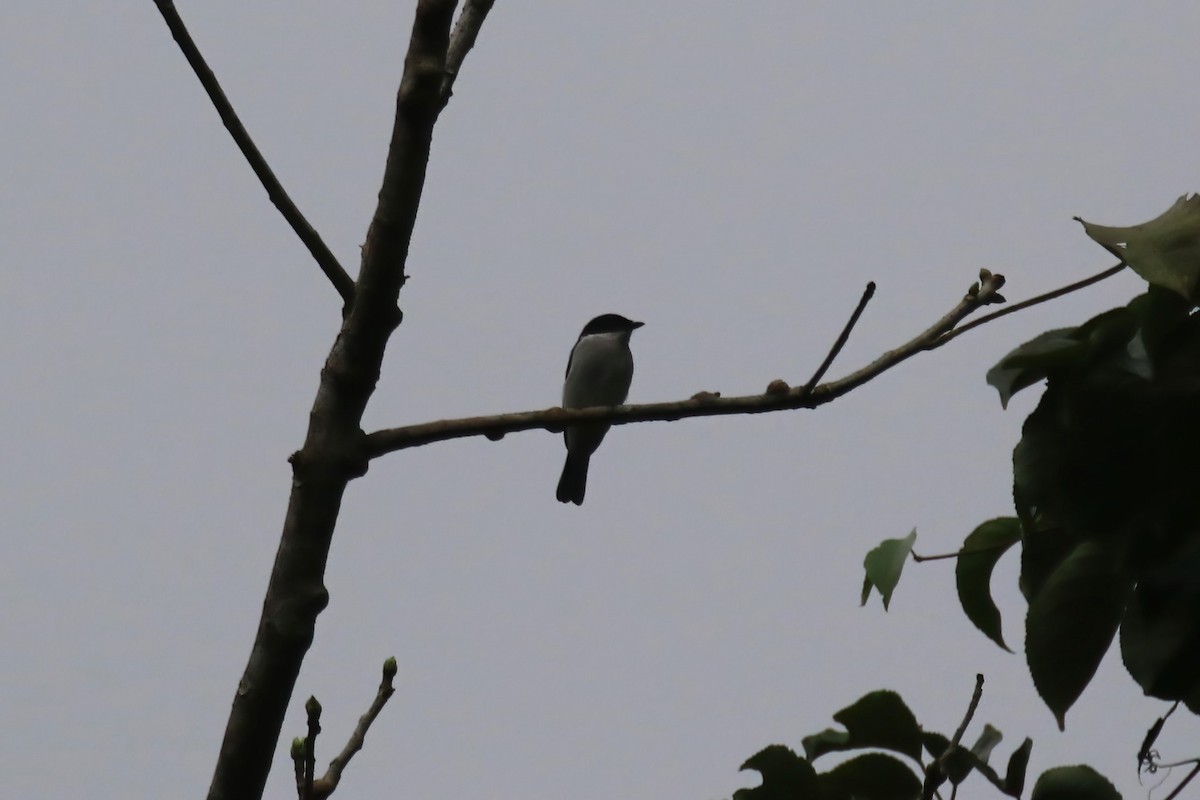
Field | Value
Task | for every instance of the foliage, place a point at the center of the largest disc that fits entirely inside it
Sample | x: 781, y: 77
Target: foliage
x: 880, y: 721
x: 1105, y: 481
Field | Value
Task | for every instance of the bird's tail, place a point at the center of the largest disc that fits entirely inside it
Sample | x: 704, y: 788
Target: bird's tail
x: 573, y: 482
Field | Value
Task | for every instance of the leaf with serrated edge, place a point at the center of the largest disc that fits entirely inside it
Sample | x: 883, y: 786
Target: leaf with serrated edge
x: 1079, y: 782
x: 884, y: 565
x: 784, y: 774
x: 1033, y: 361
x: 871, y: 776
x: 982, y: 548
x: 1165, y: 251
x: 1018, y: 762
x: 879, y: 719
x: 1071, y: 623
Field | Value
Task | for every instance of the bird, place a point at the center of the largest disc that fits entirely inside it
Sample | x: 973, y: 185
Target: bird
x: 599, y: 372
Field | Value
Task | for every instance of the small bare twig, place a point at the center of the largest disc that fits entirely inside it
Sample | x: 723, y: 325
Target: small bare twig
x: 937, y: 772
x: 958, y: 553
x: 1033, y: 301
x: 326, y: 784
x: 462, y: 39
x: 1195, y: 771
x: 939, y: 557
x: 843, y: 337
x: 706, y: 404
x: 313, y: 709
x: 297, y: 754
x: 962, y: 728
x: 324, y: 257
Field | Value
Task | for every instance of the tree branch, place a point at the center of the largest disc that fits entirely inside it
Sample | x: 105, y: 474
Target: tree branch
x: 938, y: 770
x: 325, y: 258
x: 704, y: 404
x: 328, y: 783
x: 966, y: 722
x: 1033, y: 301
x: 312, y: 710
x: 470, y: 20
x: 867, y: 294
x: 1188, y: 779
x: 331, y: 455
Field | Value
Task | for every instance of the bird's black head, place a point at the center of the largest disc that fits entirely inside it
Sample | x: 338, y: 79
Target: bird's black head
x: 610, y: 323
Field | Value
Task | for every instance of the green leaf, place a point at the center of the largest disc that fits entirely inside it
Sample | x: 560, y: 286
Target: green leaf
x: 884, y: 565
x: 1041, y: 554
x: 871, y: 776
x: 1018, y: 762
x: 1079, y: 782
x: 1160, y: 633
x: 1034, y: 361
x: 986, y: 743
x: 1071, y: 624
x: 879, y: 719
x: 958, y: 765
x: 962, y: 761
x: 1165, y: 251
x: 982, y: 548
x: 785, y: 776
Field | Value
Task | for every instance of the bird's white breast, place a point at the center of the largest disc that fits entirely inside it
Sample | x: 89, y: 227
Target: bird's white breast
x: 601, y: 371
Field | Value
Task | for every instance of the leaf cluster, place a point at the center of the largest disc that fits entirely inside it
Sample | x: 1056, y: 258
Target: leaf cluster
x: 878, y: 728
x: 1106, y: 484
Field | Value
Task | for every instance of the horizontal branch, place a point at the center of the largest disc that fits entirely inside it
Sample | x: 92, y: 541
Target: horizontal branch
x: 324, y: 257
x: 778, y: 397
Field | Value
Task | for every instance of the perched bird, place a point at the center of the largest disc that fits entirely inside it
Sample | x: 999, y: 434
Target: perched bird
x: 598, y: 374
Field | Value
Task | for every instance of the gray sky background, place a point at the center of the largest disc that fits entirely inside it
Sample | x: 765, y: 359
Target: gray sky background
x: 731, y: 173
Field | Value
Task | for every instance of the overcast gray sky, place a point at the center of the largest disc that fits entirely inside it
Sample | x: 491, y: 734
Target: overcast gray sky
x: 731, y: 173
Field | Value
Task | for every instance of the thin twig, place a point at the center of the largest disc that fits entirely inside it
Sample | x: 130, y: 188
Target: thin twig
x: 325, y: 258
x: 462, y: 39
x: 937, y: 772
x: 843, y: 337
x: 962, y: 728
x: 1033, y: 301
x: 313, y: 709
x: 704, y: 404
x: 1195, y: 771
x: 329, y: 781
x: 963, y: 552
x: 297, y: 754
x: 938, y: 557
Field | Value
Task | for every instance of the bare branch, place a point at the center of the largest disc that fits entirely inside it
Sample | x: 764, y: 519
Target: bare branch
x: 325, y: 258
x: 937, y: 772
x: 326, y: 785
x: 1033, y: 301
x: 940, y: 557
x: 1188, y: 779
x: 843, y: 337
x: 297, y: 755
x: 470, y: 20
x: 705, y: 404
x: 966, y: 722
x: 313, y: 711
x: 330, y: 457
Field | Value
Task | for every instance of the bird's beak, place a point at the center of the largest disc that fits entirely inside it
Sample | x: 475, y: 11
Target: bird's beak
x: 637, y: 325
